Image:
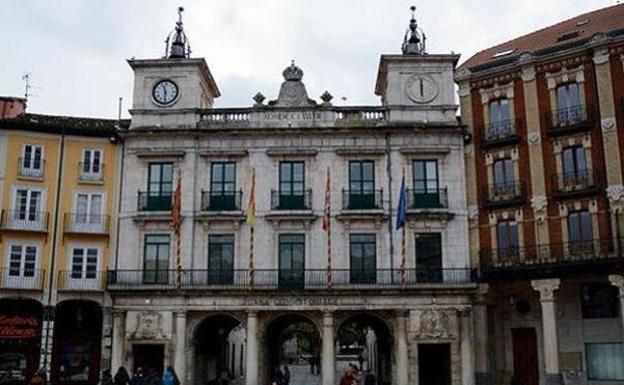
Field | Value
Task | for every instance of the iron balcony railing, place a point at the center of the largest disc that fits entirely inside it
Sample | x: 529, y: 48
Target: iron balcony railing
x: 22, y: 278
x: 362, y: 199
x: 500, y: 132
x: 554, y: 253
x: 81, y: 280
x: 575, y: 182
x: 24, y: 220
x: 427, y: 199
x: 291, y: 200
x: 287, y: 279
x: 221, y: 200
x: 32, y: 168
x: 570, y: 119
x: 154, y: 201
x: 502, y: 194
x: 92, y: 173
x: 83, y: 223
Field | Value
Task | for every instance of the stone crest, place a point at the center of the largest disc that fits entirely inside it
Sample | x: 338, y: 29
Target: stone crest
x: 607, y: 124
x: 434, y: 324
x: 538, y: 204
x: 148, y: 326
x: 292, y: 92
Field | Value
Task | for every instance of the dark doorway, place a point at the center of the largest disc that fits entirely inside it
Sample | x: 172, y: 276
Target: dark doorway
x: 524, y: 341
x: 149, y: 356
x: 434, y: 364
x: 217, y: 340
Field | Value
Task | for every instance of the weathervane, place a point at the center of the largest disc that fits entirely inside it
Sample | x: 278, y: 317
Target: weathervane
x: 180, y: 47
x: 413, y: 44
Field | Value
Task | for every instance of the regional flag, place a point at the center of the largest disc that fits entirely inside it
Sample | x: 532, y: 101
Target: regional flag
x: 327, y: 209
x: 251, y: 207
x: 402, y: 208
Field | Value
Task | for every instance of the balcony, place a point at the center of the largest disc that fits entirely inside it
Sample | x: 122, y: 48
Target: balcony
x: 547, y: 259
x: 502, y: 133
x: 292, y: 201
x: 79, y: 223
x: 503, y: 195
x: 154, y: 201
x: 33, y: 171
x: 221, y: 200
x: 570, y: 120
x: 427, y: 199
x: 575, y: 184
x: 81, y: 280
x: 287, y: 280
x: 22, y: 279
x: 362, y: 200
x: 20, y: 220
x: 90, y: 176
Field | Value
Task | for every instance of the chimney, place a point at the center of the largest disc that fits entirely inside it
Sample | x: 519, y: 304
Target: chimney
x: 12, y: 107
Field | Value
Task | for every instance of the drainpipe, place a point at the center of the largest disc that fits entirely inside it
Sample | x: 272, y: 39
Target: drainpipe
x: 390, y: 228
x: 194, y: 225
x: 119, y: 199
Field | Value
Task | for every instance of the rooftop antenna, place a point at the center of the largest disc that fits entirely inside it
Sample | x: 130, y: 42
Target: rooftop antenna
x: 119, y: 108
x: 27, y: 85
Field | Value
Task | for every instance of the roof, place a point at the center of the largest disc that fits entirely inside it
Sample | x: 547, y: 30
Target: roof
x: 64, y: 124
x: 576, y: 29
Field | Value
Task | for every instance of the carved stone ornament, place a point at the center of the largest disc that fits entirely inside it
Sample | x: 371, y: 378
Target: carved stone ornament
x: 148, y: 326
x: 546, y: 288
x: 292, y: 92
x: 539, y: 203
x: 534, y: 137
x: 617, y: 281
x: 434, y: 324
x: 473, y: 211
x: 607, y: 124
x: 615, y: 193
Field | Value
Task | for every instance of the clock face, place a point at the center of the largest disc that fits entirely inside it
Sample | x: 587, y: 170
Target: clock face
x: 421, y: 89
x: 165, y: 92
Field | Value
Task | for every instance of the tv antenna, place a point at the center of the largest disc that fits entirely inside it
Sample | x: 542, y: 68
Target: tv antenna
x: 27, y: 85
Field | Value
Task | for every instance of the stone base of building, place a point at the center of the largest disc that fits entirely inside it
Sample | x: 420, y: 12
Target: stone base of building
x: 483, y: 378
x: 553, y: 379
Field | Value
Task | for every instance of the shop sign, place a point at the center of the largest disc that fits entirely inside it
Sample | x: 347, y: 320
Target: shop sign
x: 16, y: 326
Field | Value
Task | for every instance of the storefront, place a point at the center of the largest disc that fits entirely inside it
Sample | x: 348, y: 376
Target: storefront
x: 77, y: 343
x: 20, y: 339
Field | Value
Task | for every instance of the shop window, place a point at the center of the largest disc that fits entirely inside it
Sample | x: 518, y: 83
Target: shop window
x: 604, y: 362
x: 599, y: 300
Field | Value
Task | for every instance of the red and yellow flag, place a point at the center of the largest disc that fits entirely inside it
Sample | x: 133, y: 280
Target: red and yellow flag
x: 251, y: 207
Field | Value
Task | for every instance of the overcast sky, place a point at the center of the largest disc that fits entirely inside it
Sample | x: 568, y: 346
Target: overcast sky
x: 75, y: 50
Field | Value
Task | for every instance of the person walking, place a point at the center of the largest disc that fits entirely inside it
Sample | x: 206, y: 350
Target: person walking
x: 152, y: 378
x: 107, y: 379
x: 170, y: 377
x: 286, y: 380
x: 40, y: 378
x: 139, y: 378
x: 121, y: 377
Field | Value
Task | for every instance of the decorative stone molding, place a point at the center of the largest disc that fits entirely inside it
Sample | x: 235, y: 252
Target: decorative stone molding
x: 434, y: 324
x: 617, y: 281
x: 464, y: 89
x: 615, y: 194
x: 607, y: 124
x: 498, y: 91
x: 149, y: 326
x: 473, y: 212
x: 534, y: 137
x: 526, y: 58
x: 546, y: 288
x: 601, y: 56
x: 528, y: 73
x: 565, y: 75
x: 462, y: 74
x: 539, y: 203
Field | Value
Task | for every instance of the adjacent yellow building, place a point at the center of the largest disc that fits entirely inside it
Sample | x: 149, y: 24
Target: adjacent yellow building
x: 58, y: 194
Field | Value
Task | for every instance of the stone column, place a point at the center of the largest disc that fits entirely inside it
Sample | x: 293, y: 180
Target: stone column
x: 179, y: 358
x: 328, y: 365
x: 402, y: 364
x: 466, y: 346
x: 480, y: 335
x: 117, y: 349
x: 546, y: 288
x: 251, y: 374
x: 618, y: 281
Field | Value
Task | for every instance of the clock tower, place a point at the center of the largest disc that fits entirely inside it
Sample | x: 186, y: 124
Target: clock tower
x: 170, y: 92
x: 415, y: 85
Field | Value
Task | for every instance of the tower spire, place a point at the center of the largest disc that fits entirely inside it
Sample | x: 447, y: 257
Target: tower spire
x: 179, y: 47
x: 414, y: 42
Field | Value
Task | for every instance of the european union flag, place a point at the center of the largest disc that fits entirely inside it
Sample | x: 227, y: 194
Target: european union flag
x: 402, y: 209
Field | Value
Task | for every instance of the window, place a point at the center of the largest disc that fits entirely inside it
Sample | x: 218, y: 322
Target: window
x: 507, y: 236
x: 22, y: 261
x: 604, y: 361
x: 84, y: 263
x: 156, y: 263
x: 599, y: 300
x: 221, y: 259
x: 362, y: 184
x: 569, y: 109
x: 426, y: 185
x: 580, y: 228
x: 88, y: 208
x: 574, y: 162
x: 27, y: 204
x: 291, y: 260
x: 91, y: 166
x: 499, y: 117
x: 223, y: 186
x: 160, y: 187
x: 504, y: 175
x: 363, y: 252
x: 32, y: 160
x: 291, y: 185
x: 429, y: 257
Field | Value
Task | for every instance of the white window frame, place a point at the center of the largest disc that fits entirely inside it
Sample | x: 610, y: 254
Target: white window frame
x: 93, y: 222
x: 91, y: 175
x: 27, y: 224
x: 20, y: 281
x: 83, y: 282
x: 31, y: 170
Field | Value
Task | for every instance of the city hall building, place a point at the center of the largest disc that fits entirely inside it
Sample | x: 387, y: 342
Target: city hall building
x: 204, y: 285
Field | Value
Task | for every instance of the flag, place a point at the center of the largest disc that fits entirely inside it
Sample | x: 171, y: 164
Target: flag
x: 176, y: 224
x: 402, y: 208
x: 251, y: 207
x: 327, y: 209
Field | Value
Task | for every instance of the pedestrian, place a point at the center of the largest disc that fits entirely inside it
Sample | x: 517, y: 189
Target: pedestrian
x: 286, y: 375
x: 348, y: 378
x: 170, y: 377
x: 40, y: 378
x: 121, y: 377
x: 152, y: 378
x: 139, y: 378
x: 107, y: 379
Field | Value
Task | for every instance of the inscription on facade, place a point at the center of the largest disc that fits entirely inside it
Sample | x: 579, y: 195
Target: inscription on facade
x: 291, y: 116
x: 290, y: 301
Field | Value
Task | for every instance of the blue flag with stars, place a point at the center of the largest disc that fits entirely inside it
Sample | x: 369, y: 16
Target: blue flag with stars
x: 402, y: 209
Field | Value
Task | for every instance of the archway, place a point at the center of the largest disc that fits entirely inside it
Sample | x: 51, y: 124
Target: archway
x: 76, y: 345
x: 220, y: 347
x: 293, y: 341
x: 20, y: 338
x: 364, y: 341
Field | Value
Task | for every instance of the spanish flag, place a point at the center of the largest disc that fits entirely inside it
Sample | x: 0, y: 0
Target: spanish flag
x: 251, y: 207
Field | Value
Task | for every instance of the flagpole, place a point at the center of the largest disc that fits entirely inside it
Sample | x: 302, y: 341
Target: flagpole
x: 251, y: 220
x: 177, y: 218
x: 328, y: 225
x: 403, y: 238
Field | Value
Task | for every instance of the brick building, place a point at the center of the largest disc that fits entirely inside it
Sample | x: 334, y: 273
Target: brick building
x: 545, y: 117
